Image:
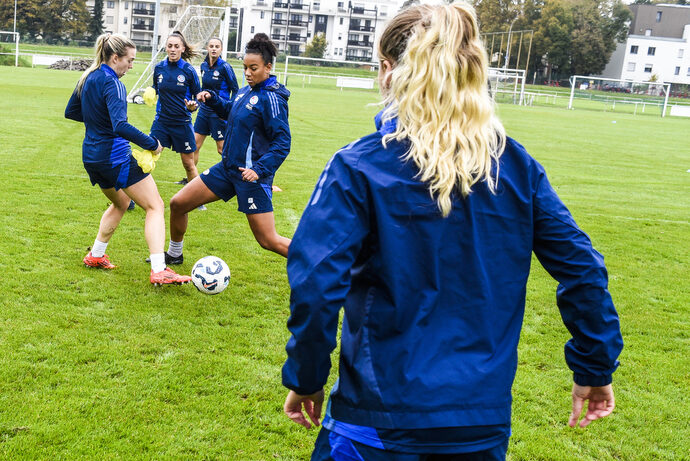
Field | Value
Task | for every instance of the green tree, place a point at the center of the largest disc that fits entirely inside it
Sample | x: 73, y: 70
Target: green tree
x: 96, y: 22
x: 51, y: 20
x: 317, y: 47
x: 552, y: 36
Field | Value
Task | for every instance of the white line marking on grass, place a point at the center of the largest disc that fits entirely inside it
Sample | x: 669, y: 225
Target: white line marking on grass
x: 632, y: 218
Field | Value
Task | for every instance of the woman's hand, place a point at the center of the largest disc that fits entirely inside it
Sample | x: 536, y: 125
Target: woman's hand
x: 248, y: 174
x: 191, y: 105
x: 158, y: 149
x: 204, y: 96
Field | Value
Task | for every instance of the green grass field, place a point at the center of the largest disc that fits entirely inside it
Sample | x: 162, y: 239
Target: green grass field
x: 101, y: 365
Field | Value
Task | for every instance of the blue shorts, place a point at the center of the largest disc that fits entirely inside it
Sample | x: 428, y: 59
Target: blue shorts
x: 179, y: 138
x: 120, y: 176
x: 208, y: 123
x: 330, y: 446
x: 252, y: 197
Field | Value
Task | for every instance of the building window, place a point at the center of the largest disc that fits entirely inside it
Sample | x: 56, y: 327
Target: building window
x: 688, y: 73
x: 126, y: 5
x: 341, y: 21
x: 311, y: 19
x: 648, y: 68
x: 125, y: 19
x: 262, y: 14
x: 341, y: 5
x: 631, y: 67
x: 340, y: 36
x: 111, y: 4
x: 341, y: 53
x: 633, y: 49
x: 173, y: 9
x: 108, y: 19
x: 648, y: 32
x: 681, y: 52
x: 316, y: 6
x: 321, y: 19
x: 677, y: 72
x: 251, y: 31
x: 651, y: 51
x: 658, y: 16
x: 171, y: 24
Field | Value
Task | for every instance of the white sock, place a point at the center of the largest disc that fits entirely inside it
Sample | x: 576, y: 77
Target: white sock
x: 158, y: 262
x: 98, y: 249
x: 175, y: 248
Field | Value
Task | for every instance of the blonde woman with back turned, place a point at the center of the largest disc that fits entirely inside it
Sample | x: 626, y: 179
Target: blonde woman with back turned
x: 424, y: 232
x: 99, y: 101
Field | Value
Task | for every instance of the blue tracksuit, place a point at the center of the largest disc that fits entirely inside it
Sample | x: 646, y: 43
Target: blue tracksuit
x: 102, y: 107
x: 258, y: 135
x: 174, y: 82
x: 433, y: 305
x: 220, y: 78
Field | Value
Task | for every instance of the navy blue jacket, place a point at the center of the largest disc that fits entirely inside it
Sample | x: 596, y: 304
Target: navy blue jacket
x: 434, y: 305
x: 174, y: 82
x: 219, y: 78
x: 102, y: 107
x: 258, y: 135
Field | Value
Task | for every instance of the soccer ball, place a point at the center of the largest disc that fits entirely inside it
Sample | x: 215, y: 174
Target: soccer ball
x: 210, y: 275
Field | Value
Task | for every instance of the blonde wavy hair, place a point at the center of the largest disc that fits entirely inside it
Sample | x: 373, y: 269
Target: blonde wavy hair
x: 107, y: 45
x: 439, y: 94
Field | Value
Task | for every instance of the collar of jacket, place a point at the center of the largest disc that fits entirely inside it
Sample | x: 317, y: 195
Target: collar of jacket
x: 387, y: 126
x: 108, y: 70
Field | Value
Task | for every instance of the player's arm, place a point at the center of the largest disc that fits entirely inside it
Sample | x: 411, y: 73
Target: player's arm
x: 275, y: 121
x: 231, y: 81
x: 116, y: 101
x: 582, y: 296
x: 73, y: 109
x: 220, y: 106
x: 325, y: 246
x: 156, y: 73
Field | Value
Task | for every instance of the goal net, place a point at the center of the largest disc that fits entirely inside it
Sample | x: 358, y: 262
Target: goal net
x: 198, y: 24
x: 328, y: 73
x: 507, y: 85
x: 9, y: 47
x: 625, y: 96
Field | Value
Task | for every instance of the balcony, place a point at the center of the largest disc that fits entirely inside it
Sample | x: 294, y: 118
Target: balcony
x: 279, y: 37
x: 142, y: 26
x: 297, y: 6
x: 363, y: 11
x: 352, y: 57
x: 294, y: 22
x: 143, y: 12
x: 280, y: 22
x: 359, y: 28
x: 360, y: 43
x: 296, y: 38
x: 280, y: 5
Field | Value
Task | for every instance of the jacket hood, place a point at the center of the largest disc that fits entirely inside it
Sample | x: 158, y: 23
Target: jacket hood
x: 272, y: 84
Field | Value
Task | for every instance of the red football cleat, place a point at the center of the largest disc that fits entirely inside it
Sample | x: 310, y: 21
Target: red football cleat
x: 98, y: 263
x: 169, y: 277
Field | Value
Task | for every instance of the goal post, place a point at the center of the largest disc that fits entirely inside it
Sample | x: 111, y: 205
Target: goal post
x: 631, y: 96
x: 507, y: 85
x: 14, y: 37
x: 198, y: 24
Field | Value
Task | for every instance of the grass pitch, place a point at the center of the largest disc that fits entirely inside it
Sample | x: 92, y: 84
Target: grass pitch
x: 102, y: 365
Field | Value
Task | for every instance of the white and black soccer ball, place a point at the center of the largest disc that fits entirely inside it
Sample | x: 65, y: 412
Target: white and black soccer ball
x: 210, y: 275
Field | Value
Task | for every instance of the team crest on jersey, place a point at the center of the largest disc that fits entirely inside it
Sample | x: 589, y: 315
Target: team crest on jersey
x: 180, y: 78
x: 160, y: 78
x: 216, y: 73
x: 253, y: 100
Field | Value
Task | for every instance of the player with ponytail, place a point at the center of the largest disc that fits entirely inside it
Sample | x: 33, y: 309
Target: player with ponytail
x: 424, y: 231
x: 256, y: 144
x: 99, y: 101
x: 177, y: 84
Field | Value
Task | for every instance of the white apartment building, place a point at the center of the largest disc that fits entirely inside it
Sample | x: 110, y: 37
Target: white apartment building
x: 351, y: 28
x: 658, y: 46
x: 135, y: 19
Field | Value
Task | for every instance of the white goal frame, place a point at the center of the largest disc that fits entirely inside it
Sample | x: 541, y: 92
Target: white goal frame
x: 332, y: 75
x: 16, y: 45
x: 573, y: 85
x: 518, y: 87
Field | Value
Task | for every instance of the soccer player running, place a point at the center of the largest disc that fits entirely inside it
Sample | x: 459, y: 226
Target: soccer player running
x: 256, y: 144
x: 177, y: 85
x: 424, y: 232
x: 99, y: 101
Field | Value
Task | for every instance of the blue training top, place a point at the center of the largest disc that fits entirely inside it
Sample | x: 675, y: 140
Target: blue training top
x: 174, y: 82
x: 102, y: 107
x: 220, y: 78
x: 433, y: 305
x: 258, y: 134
